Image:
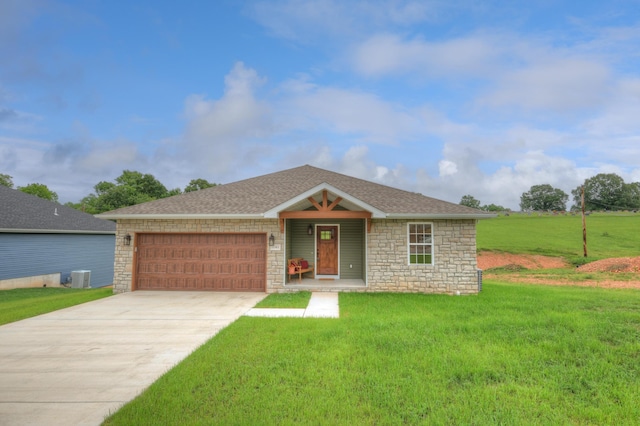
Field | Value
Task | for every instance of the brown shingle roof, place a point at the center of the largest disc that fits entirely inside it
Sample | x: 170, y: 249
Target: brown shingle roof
x: 255, y: 196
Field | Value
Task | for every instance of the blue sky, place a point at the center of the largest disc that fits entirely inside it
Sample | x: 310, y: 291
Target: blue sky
x: 438, y: 97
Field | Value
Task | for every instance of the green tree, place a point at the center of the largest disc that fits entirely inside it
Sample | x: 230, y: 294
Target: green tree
x: 120, y: 196
x: 103, y: 187
x: 631, y: 195
x: 143, y: 184
x: 174, y: 191
x: 470, y: 201
x: 88, y: 204
x: 198, y: 184
x: 494, y: 208
x: 6, y: 180
x: 543, y: 198
x: 607, y: 191
x: 130, y: 188
x: 39, y: 190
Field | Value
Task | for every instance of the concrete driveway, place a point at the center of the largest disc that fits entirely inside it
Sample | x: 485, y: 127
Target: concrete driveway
x: 77, y: 365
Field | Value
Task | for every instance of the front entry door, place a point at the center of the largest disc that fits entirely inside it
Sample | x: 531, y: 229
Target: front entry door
x: 327, y: 245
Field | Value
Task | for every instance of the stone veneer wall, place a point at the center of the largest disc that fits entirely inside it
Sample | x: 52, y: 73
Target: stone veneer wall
x: 123, y: 265
x: 455, y: 260
x: 454, y: 268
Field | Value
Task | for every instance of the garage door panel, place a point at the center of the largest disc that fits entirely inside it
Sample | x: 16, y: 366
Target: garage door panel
x: 220, y: 262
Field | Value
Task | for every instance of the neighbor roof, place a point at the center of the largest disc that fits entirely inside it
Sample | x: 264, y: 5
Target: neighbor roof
x: 257, y: 197
x: 20, y: 212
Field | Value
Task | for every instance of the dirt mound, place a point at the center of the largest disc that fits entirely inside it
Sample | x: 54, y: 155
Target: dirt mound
x: 619, y: 264
x: 488, y: 260
x: 516, y: 262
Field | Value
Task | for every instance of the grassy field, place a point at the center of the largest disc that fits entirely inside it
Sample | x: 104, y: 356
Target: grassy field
x: 512, y: 355
x: 608, y: 235
x: 24, y: 303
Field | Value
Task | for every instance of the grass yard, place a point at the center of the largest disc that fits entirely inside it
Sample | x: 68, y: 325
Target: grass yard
x: 297, y: 300
x: 608, y: 235
x: 512, y: 355
x: 23, y: 303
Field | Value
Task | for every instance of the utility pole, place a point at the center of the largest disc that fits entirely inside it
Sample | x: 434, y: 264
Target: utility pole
x: 584, y: 226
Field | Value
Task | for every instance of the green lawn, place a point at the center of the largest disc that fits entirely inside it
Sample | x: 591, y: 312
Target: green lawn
x: 295, y: 300
x: 608, y: 235
x: 511, y: 355
x: 23, y: 303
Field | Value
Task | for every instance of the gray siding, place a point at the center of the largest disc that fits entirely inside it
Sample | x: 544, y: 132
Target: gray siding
x: 352, y: 242
x: 299, y: 243
x: 352, y: 249
x: 24, y: 255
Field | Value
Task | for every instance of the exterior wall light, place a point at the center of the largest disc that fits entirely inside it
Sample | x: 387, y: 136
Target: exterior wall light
x: 127, y: 240
x: 310, y: 230
x: 272, y: 240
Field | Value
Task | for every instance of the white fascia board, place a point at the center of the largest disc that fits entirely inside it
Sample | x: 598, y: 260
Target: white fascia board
x: 52, y: 231
x: 375, y: 213
x: 178, y: 216
x: 440, y: 216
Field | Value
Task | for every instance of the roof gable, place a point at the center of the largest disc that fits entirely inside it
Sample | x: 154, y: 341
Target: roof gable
x: 301, y: 202
x: 267, y: 195
x: 20, y: 212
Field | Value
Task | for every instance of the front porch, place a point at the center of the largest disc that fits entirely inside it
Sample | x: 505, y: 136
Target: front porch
x: 317, y: 285
x: 325, y: 230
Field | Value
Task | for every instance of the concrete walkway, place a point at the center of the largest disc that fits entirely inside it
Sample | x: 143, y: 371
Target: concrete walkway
x: 76, y: 365
x: 321, y: 305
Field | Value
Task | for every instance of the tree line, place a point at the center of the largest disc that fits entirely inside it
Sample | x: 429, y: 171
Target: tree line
x: 128, y: 189
x: 605, y: 191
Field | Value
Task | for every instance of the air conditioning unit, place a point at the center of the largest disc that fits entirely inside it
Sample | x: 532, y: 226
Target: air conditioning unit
x: 80, y: 279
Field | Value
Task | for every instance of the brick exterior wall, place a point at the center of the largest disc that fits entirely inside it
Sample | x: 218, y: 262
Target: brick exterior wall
x: 454, y: 253
x: 454, y: 268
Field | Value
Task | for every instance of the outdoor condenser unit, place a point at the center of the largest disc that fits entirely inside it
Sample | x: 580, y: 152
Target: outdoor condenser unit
x: 479, y: 280
x: 80, y: 279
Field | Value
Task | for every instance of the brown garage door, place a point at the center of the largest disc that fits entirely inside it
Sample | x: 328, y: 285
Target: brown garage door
x: 222, y: 262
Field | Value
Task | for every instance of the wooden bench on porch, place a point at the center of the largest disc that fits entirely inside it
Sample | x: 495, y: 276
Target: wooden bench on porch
x: 298, y: 266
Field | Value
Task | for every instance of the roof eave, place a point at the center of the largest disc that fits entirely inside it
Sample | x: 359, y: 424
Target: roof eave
x: 440, y: 216
x: 178, y: 216
x: 53, y: 231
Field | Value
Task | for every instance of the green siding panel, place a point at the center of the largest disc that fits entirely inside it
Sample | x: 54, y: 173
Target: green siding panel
x: 352, y: 243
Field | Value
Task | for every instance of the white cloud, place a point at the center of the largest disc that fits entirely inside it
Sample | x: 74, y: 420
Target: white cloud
x: 221, y: 134
x: 17, y: 121
x: 388, y: 54
x: 560, y: 85
x: 70, y: 169
x: 620, y: 113
x: 19, y: 155
x: 503, y: 70
x: 447, y: 168
x: 304, y: 21
x: 359, y: 117
x: 357, y: 162
x: 109, y: 158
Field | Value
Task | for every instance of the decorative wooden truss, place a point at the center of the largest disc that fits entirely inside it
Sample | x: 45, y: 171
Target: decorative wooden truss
x: 325, y: 211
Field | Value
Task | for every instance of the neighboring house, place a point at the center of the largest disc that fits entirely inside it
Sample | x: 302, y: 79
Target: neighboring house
x: 39, y: 237
x: 356, y: 235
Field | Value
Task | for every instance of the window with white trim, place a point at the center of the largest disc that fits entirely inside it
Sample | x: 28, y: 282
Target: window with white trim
x: 420, y: 242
